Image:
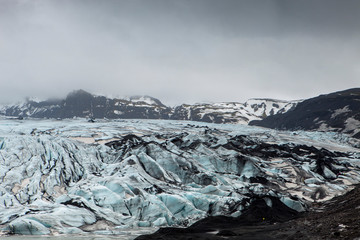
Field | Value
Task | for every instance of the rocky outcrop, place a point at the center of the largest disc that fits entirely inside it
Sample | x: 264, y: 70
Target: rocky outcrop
x: 337, y: 112
x: 334, y: 219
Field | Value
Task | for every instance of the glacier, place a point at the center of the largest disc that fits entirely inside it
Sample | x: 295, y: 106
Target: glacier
x: 78, y: 177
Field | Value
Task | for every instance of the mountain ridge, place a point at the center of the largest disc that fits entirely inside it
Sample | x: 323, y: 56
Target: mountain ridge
x: 338, y: 112
x: 81, y: 103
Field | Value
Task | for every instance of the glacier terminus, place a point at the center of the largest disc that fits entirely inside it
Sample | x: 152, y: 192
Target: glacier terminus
x: 105, y: 177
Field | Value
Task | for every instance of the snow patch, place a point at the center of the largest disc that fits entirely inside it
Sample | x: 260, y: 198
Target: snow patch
x: 340, y: 111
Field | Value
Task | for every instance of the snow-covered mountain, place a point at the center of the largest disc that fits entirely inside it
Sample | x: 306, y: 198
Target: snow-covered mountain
x: 71, y: 176
x: 232, y: 112
x: 264, y: 107
x: 337, y: 112
x: 75, y: 177
x: 83, y: 104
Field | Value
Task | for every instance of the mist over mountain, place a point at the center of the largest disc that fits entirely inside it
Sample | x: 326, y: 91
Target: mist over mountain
x: 86, y: 105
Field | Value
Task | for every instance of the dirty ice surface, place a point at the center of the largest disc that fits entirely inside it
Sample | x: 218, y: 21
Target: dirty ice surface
x: 124, y: 177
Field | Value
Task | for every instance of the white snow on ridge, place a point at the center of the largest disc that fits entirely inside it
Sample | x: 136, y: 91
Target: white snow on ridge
x: 223, y: 112
x: 144, y: 100
x: 268, y: 107
x: 253, y: 109
x: 340, y: 111
x: 117, y: 112
x: 352, y: 125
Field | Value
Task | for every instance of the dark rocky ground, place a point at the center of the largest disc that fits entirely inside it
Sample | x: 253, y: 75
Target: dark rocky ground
x: 338, y: 218
x: 334, y: 111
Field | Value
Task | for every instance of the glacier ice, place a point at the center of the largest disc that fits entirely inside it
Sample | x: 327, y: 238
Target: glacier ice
x: 72, y: 176
x: 28, y: 227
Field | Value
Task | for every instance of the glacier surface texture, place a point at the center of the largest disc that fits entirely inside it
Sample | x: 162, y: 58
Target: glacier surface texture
x: 77, y: 177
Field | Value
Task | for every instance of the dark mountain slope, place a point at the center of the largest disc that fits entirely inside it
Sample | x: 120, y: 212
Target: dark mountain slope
x: 339, y: 111
x: 83, y: 104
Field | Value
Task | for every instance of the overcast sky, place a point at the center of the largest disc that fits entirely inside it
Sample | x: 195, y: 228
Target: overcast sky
x: 180, y: 51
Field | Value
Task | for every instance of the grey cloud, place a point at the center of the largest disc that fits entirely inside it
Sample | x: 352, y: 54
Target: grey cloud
x: 179, y: 51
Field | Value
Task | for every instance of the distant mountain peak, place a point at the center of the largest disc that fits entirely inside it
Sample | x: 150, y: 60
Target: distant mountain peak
x: 80, y: 103
x: 337, y: 112
x: 79, y: 92
x: 146, y: 99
